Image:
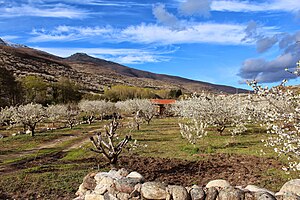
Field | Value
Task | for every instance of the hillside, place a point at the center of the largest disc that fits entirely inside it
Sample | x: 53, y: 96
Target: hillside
x: 93, y: 73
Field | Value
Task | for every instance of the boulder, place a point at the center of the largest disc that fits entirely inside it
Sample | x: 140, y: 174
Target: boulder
x: 254, y: 188
x: 250, y: 196
x: 153, y: 190
x: 104, y: 184
x: 136, y: 175
x: 79, y: 198
x: 101, y: 189
x: 93, y: 196
x: 136, y: 192
x: 116, y: 174
x: 81, y: 190
x: 126, y: 185
x: 108, y: 196
x: 197, y: 193
x: 231, y: 193
x: 178, y: 192
x: 123, y: 196
x: 211, y: 193
x: 122, y: 172
x: 292, y: 186
x: 286, y: 196
x: 89, y: 182
x: 104, y: 178
x: 218, y: 183
x: 264, y: 196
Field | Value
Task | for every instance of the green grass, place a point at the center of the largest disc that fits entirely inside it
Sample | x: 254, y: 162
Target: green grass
x: 61, y: 176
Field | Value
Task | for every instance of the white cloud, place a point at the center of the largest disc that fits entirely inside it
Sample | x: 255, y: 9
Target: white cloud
x: 198, y: 33
x: 53, y: 11
x: 248, y: 6
x: 123, y: 56
x: 109, y: 3
x: 265, y: 43
x: 231, y: 34
x: 269, y: 71
x: 69, y: 33
x: 272, y: 71
x: 195, y: 7
x: 163, y: 16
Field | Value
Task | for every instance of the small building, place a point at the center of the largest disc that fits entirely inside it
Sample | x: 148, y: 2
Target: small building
x: 162, y: 104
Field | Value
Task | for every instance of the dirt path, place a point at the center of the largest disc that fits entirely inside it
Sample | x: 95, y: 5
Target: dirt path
x: 48, y: 145
x: 78, y: 141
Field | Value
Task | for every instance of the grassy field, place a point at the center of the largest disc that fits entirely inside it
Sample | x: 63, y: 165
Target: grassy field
x: 51, y: 165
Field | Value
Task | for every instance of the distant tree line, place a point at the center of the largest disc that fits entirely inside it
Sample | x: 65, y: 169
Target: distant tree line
x: 34, y: 89
x: 124, y: 92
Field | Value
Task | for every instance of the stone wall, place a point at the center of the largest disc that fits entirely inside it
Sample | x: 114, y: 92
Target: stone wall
x: 122, y: 185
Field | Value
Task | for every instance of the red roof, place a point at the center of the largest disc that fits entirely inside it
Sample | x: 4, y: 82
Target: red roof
x: 163, y: 101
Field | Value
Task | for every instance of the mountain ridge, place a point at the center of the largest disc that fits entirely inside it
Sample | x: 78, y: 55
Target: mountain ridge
x: 95, y: 73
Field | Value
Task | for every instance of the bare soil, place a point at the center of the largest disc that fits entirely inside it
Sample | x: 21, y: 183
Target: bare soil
x: 239, y: 170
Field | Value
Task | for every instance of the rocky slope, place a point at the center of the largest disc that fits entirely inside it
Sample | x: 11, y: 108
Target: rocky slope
x: 93, y: 73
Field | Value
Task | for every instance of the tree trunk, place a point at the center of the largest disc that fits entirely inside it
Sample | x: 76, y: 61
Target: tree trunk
x: 221, y: 130
x: 90, y: 119
x: 31, y: 128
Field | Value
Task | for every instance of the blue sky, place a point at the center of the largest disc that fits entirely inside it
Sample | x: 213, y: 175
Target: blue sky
x: 218, y: 41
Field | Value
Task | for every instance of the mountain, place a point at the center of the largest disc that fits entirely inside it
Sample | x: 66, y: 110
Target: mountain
x: 94, y: 73
x: 6, y: 43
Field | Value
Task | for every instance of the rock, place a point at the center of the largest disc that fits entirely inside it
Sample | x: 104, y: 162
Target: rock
x: 126, y: 185
x: 231, y: 193
x: 153, y: 190
x: 104, y: 184
x: 89, y: 182
x: 28, y: 132
x: 197, y: 193
x: 242, y: 188
x: 286, y: 196
x: 101, y: 189
x: 136, y: 175
x: 104, y: 178
x: 123, y: 196
x: 1, y: 136
x: 250, y: 196
x: 254, y: 188
x: 79, y: 198
x: 136, y: 192
x: 81, y: 190
x: 93, y: 196
x: 114, y: 174
x: 122, y: 172
x: 292, y: 186
x: 138, y: 187
x: 106, y: 181
x: 211, y: 193
x: 108, y: 196
x: 264, y: 196
x: 178, y: 192
x: 218, y: 183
